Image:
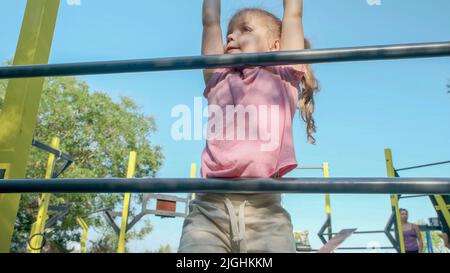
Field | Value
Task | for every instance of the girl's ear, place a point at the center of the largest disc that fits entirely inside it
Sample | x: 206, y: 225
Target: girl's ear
x: 276, y: 46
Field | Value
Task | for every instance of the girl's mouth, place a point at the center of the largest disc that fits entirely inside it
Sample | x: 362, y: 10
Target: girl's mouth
x: 233, y: 50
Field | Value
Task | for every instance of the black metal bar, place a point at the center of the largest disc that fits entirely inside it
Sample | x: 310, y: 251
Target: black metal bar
x: 51, y: 150
x: 365, y: 248
x: 365, y: 232
x: 61, y: 212
x: 423, y: 166
x: 59, y: 155
x: 322, y: 230
x: 413, y: 196
x: 350, y: 54
x: 309, y: 168
x: 181, y: 185
x: 387, y: 231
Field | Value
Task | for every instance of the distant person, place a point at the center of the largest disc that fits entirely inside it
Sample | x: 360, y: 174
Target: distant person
x: 411, y: 234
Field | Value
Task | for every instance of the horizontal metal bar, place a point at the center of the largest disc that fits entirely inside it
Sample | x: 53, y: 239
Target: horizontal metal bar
x: 183, y: 185
x: 310, y: 168
x: 363, y: 232
x: 165, y: 213
x: 365, y: 248
x: 413, y: 196
x: 423, y: 166
x: 168, y: 198
x: 51, y: 150
x: 349, y: 54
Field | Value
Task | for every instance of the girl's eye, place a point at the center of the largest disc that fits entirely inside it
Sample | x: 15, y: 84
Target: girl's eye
x: 248, y: 29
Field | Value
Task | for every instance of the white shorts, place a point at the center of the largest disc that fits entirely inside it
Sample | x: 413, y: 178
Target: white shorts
x: 232, y: 223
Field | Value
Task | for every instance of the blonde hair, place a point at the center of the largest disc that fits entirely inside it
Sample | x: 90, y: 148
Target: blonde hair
x: 306, y: 102
x: 273, y: 22
x: 310, y: 84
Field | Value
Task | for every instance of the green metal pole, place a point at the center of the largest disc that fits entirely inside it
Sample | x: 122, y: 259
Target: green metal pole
x: 126, y: 205
x: 84, y: 235
x: 326, y: 173
x: 41, y: 219
x: 443, y: 207
x: 394, y: 200
x: 193, y: 174
x: 20, y: 109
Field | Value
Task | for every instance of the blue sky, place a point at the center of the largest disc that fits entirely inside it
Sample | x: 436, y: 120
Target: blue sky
x: 362, y: 108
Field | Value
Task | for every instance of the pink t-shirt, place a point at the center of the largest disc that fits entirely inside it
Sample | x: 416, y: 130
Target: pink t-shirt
x: 250, y: 122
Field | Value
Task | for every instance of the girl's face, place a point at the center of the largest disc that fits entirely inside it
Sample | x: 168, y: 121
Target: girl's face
x: 404, y: 216
x: 249, y: 34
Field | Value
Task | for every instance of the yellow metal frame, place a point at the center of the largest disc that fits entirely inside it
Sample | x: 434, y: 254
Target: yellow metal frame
x: 84, y: 226
x: 193, y: 174
x: 6, y: 167
x: 19, y: 113
x: 326, y: 173
x: 41, y: 219
x: 126, y: 205
x: 394, y: 200
x: 443, y: 207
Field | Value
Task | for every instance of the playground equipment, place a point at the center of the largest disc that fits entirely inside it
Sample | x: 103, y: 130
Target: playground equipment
x: 440, y: 204
x: 24, y: 91
x: 84, y: 234
x: 351, y: 54
x: 301, y: 246
x: 37, y: 237
x: 165, y: 207
x: 373, y: 185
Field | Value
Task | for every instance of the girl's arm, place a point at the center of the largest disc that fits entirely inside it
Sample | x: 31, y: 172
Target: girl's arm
x: 419, y: 238
x: 212, y: 42
x: 292, y: 36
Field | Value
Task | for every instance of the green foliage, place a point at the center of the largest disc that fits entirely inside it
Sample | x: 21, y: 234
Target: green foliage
x: 437, y: 242
x: 99, y: 134
x: 108, y: 243
x: 162, y: 249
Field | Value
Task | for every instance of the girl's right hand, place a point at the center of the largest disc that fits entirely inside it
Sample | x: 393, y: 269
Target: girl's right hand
x: 212, y: 43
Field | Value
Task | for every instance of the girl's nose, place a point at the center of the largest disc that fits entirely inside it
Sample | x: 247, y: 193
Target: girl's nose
x: 231, y: 37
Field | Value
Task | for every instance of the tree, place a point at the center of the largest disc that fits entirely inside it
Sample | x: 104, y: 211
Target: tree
x: 161, y: 249
x: 108, y: 242
x: 99, y: 134
x: 438, y: 243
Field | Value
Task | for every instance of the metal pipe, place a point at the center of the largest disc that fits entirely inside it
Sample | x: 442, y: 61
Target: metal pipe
x: 413, y: 196
x: 182, y: 185
x: 423, y: 166
x: 365, y: 248
x: 349, y: 54
x: 310, y: 168
x: 365, y: 232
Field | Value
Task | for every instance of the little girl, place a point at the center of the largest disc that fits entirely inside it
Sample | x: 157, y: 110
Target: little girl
x: 257, y: 139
